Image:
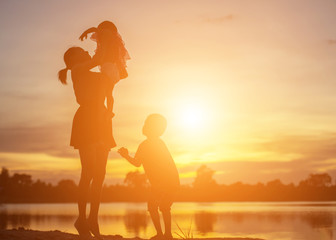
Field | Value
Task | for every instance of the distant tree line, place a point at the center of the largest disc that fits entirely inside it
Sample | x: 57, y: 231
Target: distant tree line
x: 20, y: 188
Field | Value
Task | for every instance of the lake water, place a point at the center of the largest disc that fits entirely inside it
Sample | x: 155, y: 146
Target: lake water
x: 274, y: 221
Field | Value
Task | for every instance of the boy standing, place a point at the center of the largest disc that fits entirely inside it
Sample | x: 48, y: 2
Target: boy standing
x: 161, y: 172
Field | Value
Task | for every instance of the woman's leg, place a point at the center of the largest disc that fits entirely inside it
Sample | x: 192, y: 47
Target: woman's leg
x: 154, y: 213
x: 87, y: 157
x: 96, y: 187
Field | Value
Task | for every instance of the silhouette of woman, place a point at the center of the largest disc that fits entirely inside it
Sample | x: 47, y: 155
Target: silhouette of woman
x: 91, y: 133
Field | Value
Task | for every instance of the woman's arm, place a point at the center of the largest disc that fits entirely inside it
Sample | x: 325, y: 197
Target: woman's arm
x: 86, y: 32
x: 93, y: 62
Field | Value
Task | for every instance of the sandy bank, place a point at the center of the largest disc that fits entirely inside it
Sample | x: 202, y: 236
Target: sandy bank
x: 24, y: 234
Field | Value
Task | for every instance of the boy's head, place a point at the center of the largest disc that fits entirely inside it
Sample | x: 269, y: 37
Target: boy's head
x: 107, y: 25
x: 154, y: 126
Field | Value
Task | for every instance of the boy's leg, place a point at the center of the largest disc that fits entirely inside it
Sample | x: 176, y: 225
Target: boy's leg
x: 165, y: 205
x: 154, y: 213
x: 167, y: 222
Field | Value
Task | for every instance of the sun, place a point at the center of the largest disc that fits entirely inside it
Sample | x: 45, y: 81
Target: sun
x: 192, y: 117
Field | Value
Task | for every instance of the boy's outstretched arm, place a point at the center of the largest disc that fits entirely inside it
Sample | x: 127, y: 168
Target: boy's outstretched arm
x: 86, y: 32
x: 124, y: 153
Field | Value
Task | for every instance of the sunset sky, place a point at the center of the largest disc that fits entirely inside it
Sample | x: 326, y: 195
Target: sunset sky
x: 247, y: 87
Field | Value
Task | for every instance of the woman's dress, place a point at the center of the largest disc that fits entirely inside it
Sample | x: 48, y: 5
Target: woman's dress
x: 90, y: 125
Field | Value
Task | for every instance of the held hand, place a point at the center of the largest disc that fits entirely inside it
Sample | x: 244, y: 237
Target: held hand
x: 123, y: 152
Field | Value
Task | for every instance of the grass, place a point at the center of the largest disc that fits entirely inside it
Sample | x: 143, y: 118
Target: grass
x: 188, y: 234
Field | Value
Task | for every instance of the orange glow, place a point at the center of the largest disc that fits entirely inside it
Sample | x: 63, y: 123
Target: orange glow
x: 238, y: 83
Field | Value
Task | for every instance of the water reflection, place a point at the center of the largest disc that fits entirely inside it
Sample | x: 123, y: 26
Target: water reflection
x: 136, y: 221
x: 213, y: 220
x: 318, y: 220
x: 14, y: 220
x: 205, y: 222
x: 8, y: 221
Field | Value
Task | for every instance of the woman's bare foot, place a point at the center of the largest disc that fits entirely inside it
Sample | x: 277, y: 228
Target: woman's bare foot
x: 82, y: 228
x: 94, y: 228
x: 168, y: 236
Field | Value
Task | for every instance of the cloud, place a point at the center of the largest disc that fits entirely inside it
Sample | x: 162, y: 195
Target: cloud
x: 52, y: 140
x: 210, y: 20
x: 216, y: 20
x: 310, y: 154
x: 332, y: 41
x: 252, y: 172
x: 318, y: 147
x: 7, y: 95
x: 314, y: 153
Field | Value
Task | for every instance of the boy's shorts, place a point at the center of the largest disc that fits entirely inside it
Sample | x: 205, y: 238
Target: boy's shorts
x: 162, y: 200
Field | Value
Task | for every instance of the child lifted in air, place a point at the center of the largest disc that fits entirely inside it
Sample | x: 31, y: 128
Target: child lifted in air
x: 114, y: 55
x: 161, y: 172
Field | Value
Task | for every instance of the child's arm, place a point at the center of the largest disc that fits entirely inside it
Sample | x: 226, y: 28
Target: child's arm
x: 93, y: 62
x: 86, y: 32
x: 124, y: 153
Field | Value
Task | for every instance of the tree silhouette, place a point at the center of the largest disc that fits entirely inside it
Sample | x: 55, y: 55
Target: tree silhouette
x: 20, y: 188
x: 317, y: 180
x: 136, y: 179
x: 23, y: 180
x: 275, y: 183
x: 204, y: 177
x: 4, y: 178
x: 67, y: 184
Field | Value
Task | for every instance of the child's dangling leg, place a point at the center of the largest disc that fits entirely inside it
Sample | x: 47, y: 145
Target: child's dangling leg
x: 112, y: 77
x: 110, y: 102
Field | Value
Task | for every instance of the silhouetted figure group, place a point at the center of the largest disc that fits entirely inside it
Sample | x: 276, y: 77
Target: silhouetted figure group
x: 92, y: 132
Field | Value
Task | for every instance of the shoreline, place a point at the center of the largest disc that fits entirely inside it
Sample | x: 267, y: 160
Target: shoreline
x: 233, y: 201
x: 28, y: 234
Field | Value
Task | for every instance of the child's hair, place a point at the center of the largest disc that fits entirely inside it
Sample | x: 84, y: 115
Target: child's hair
x: 155, y: 125
x: 108, y: 25
x: 71, y: 57
x: 120, y: 54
